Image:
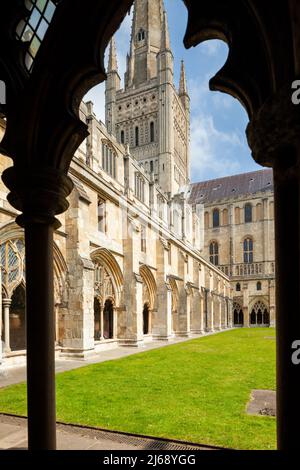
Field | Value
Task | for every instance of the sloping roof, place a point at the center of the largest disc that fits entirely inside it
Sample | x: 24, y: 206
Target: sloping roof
x: 232, y: 186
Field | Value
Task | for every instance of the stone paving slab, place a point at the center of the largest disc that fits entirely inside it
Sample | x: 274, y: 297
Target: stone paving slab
x: 69, y: 437
x: 262, y: 403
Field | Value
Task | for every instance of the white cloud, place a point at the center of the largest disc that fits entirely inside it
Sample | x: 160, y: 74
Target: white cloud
x: 211, y: 47
x: 212, y: 150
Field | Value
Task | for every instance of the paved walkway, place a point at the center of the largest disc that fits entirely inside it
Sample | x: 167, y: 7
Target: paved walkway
x: 13, y: 374
x: 13, y: 435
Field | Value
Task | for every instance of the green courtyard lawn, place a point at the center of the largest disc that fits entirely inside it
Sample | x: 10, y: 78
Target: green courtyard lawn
x: 195, y: 391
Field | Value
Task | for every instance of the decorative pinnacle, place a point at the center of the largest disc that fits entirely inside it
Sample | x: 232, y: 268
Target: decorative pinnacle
x: 182, y: 82
x: 112, y: 59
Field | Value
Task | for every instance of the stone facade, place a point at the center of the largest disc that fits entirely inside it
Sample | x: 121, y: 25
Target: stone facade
x: 132, y: 257
x: 127, y: 257
x: 239, y: 239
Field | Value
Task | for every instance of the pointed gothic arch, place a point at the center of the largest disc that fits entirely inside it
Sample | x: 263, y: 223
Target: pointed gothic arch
x: 238, y: 315
x: 259, y: 313
x: 103, y: 259
x: 150, y: 291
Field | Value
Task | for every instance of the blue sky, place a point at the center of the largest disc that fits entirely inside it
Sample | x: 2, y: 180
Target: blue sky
x: 218, y: 121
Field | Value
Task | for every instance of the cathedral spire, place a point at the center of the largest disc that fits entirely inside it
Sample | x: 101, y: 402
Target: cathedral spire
x: 112, y: 59
x: 146, y: 41
x: 182, y: 81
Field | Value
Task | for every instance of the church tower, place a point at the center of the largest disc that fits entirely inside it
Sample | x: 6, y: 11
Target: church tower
x: 149, y: 114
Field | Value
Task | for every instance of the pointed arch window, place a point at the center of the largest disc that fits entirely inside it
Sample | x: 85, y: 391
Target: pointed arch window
x: 258, y: 286
x: 216, y: 218
x: 238, y: 287
x: 214, y: 253
x: 248, y: 250
x: 122, y: 137
x: 248, y: 213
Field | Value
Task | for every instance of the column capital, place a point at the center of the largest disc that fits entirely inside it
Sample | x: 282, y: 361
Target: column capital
x: 274, y: 127
x: 38, y: 194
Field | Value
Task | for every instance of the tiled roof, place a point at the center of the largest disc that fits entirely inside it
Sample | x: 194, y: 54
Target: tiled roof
x: 232, y: 186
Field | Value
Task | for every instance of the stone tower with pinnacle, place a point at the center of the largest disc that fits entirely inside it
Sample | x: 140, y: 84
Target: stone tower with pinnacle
x: 149, y: 114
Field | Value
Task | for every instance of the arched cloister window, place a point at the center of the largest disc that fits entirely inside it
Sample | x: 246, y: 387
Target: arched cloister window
x: 238, y: 315
x: 248, y: 213
x: 216, y: 218
x: 214, y: 253
x: 248, y: 250
x: 104, y: 286
x: 259, y: 315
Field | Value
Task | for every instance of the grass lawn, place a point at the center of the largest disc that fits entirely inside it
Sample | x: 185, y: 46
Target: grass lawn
x: 196, y: 391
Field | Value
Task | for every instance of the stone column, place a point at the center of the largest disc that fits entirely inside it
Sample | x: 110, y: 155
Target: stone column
x: 210, y: 312
x: 1, y: 313
x: 230, y: 313
x: 131, y: 319
x: 217, y: 312
x: 274, y: 137
x: 246, y: 316
x: 6, y: 308
x: 115, y: 322
x: 183, y: 311
x: 197, y: 311
x: 162, y: 317
x: 101, y: 322
x: 287, y: 237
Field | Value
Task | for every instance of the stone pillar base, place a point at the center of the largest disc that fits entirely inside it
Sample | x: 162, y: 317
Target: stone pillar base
x: 183, y: 334
x: 77, y: 353
x: 197, y: 332
x: 135, y: 343
x: 162, y: 337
